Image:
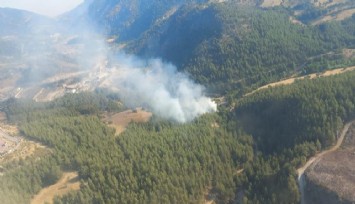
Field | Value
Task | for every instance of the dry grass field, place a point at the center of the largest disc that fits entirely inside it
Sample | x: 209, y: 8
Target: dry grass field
x: 67, y: 183
x: 121, y: 120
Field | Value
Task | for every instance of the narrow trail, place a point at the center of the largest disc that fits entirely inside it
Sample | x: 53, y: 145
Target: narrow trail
x: 316, y: 158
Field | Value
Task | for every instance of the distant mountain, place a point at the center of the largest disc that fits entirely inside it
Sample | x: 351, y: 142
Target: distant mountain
x: 228, y: 46
x: 20, y: 22
x: 231, y: 44
x: 125, y: 19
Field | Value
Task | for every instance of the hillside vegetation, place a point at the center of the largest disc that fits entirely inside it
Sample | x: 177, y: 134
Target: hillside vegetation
x: 158, y: 162
x: 289, y: 124
x: 227, y: 46
x: 164, y: 162
x: 247, y: 152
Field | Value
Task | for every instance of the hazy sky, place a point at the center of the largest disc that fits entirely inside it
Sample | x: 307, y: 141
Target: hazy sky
x: 44, y: 7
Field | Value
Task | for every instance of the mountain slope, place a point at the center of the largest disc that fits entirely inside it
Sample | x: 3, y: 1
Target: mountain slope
x: 228, y: 46
x: 20, y: 22
x: 125, y: 19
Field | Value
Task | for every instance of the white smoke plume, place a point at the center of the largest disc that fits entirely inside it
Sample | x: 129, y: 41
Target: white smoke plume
x: 160, y: 87
x: 150, y: 83
x: 61, y: 49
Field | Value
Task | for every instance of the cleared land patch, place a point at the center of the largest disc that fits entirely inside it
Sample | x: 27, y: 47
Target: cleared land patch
x: 271, y: 3
x: 67, y: 183
x: 121, y: 120
x: 14, y: 147
x: 25, y: 150
x: 8, y: 144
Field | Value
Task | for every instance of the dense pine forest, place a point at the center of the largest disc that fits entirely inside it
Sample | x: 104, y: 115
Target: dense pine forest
x: 246, y: 152
x: 229, y: 47
x: 255, y: 149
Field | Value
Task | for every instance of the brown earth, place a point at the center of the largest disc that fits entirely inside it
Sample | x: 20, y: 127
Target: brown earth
x: 25, y: 150
x: 21, y: 147
x: 121, y: 120
x: 332, y: 177
x: 271, y: 3
x: 69, y: 182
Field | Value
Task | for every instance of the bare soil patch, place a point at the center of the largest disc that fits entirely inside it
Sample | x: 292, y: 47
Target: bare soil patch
x: 25, y: 150
x: 67, y: 183
x: 14, y: 147
x: 271, y: 3
x: 9, y: 129
x: 121, y: 120
x: 295, y: 21
x: 215, y: 125
x: 8, y: 142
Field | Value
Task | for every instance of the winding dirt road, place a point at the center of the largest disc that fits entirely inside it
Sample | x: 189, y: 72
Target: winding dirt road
x: 317, y: 157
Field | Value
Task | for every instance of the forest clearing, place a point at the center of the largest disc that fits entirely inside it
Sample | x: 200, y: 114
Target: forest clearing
x: 67, y: 183
x: 121, y: 120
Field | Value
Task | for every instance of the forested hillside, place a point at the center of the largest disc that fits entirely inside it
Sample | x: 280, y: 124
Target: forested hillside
x: 289, y: 124
x: 164, y: 162
x: 309, y: 110
x: 123, y: 19
x: 160, y: 162
x: 227, y: 46
x: 246, y: 152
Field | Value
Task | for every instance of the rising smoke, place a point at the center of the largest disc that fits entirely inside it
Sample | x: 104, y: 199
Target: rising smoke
x: 158, y: 86
x: 148, y: 83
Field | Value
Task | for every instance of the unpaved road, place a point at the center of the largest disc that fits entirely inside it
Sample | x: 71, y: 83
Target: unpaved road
x: 317, y: 157
x: 310, y: 76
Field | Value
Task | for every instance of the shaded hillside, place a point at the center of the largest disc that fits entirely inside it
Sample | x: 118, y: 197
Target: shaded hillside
x: 225, y: 45
x: 331, y: 179
x: 308, y: 110
x: 290, y: 124
x: 228, y: 46
x: 124, y: 19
